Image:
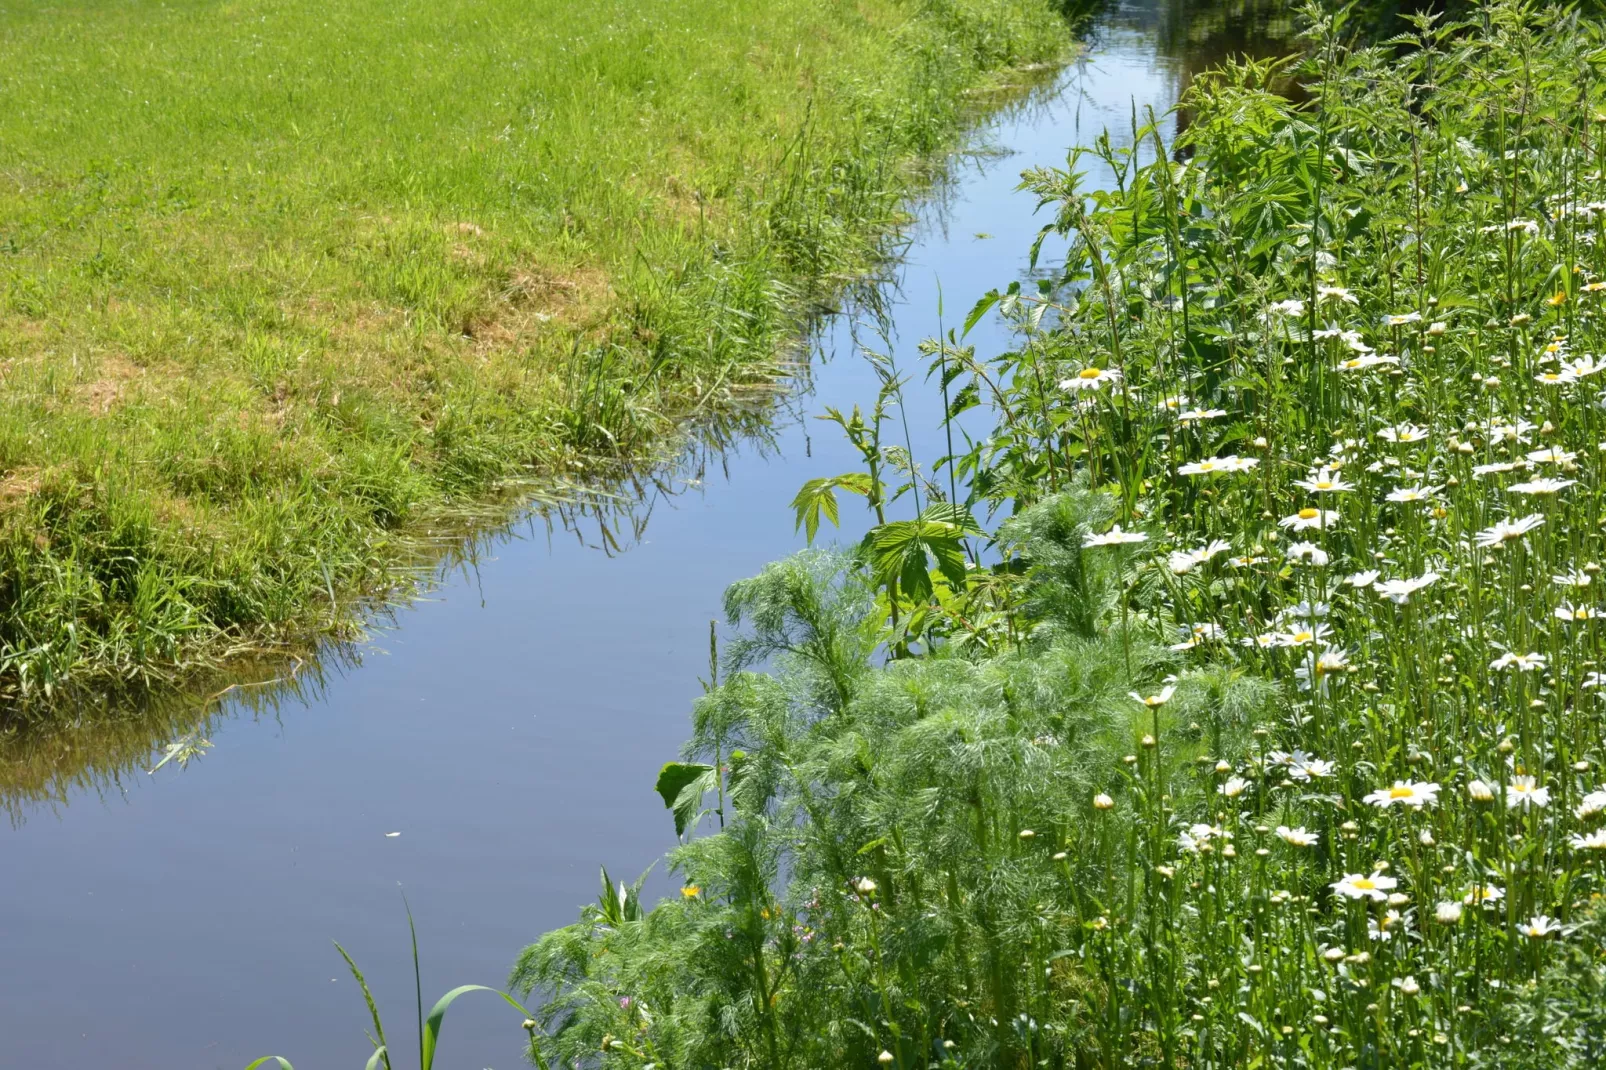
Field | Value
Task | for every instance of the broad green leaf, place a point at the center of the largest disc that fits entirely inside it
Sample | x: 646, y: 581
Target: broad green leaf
x: 432, y: 1025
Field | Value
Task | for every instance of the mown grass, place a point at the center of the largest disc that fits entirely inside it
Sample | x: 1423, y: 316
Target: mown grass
x: 278, y: 280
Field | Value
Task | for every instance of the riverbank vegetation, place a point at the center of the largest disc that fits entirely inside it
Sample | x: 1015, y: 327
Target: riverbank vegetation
x: 1234, y: 702
x: 279, y: 282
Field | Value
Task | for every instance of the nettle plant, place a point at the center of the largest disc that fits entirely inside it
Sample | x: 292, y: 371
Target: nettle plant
x: 1264, y: 728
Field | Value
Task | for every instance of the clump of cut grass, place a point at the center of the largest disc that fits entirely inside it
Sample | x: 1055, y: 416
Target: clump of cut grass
x: 1267, y: 728
x: 280, y: 282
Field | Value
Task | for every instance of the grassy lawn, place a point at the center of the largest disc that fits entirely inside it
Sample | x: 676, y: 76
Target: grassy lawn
x: 278, y: 279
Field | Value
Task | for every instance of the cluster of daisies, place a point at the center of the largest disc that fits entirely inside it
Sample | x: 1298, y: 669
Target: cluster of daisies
x: 1424, y: 593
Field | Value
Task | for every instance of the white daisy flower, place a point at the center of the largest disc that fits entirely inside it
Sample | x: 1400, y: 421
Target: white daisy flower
x: 1525, y: 791
x: 1400, y: 591
x: 1310, y: 519
x: 1508, y: 531
x: 1543, y: 485
x: 1405, y: 793
x: 1297, y: 837
x: 1593, y: 841
x: 1520, y: 662
x: 1217, y: 465
x: 1355, y: 886
x: 1115, y: 537
x: 1336, y: 293
x: 1308, y: 552
x: 1091, y: 379
x: 1324, y: 481
x: 1417, y: 493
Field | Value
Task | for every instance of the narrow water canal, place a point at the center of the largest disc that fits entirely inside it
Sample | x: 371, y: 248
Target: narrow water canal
x: 501, y: 741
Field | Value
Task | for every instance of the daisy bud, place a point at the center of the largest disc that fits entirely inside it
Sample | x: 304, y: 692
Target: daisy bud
x: 1409, y: 986
x: 1027, y: 834
x: 1398, y: 899
x: 884, y: 1058
x: 1447, y: 913
x: 1426, y: 838
x: 1102, y: 801
x: 1438, y: 328
x: 1333, y: 954
x: 1148, y: 741
x: 1480, y: 791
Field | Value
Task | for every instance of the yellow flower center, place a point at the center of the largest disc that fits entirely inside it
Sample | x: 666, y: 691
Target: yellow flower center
x: 1089, y: 373
x: 1309, y: 514
x: 1303, y: 637
x: 1400, y: 793
x: 1366, y: 884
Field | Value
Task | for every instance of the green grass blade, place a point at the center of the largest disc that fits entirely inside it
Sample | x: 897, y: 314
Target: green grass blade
x: 284, y: 1064
x: 373, y: 1009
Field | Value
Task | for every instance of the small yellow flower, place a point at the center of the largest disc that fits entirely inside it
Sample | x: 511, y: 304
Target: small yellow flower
x: 1557, y: 298
x: 691, y: 891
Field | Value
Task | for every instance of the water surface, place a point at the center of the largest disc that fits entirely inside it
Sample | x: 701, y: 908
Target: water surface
x: 509, y: 727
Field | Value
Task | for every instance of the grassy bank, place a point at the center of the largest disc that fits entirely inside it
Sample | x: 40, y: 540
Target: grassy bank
x: 1274, y: 738
x: 278, y: 279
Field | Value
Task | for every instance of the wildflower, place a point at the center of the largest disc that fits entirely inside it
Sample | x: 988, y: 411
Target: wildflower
x: 864, y: 886
x: 1572, y: 578
x: 1593, y: 841
x: 1091, y: 379
x: 1403, y: 433
x: 1171, y: 404
x: 1447, y: 913
x: 1399, y: 591
x: 1406, y: 793
x: 1382, y: 929
x: 1158, y: 699
x: 885, y: 1058
x: 1114, y: 537
x: 1539, y: 927
x: 1552, y: 456
x: 1199, y: 633
x: 1333, y: 954
x: 1480, y: 792
x: 1308, y: 551
x: 1297, y: 837
x: 1335, y: 293
x: 1365, y: 361
x: 1558, y: 378
x: 1591, y: 805
x: 1522, y: 662
x: 1102, y: 801
x: 1184, y: 561
x: 1299, y: 636
x: 1525, y: 791
x: 1526, y: 225
x: 1307, y: 519
x: 1307, y: 768
x: 1495, y: 467
x: 1569, y: 612
x: 1323, y: 481
x: 1417, y: 493
x: 1234, y: 787
x: 1543, y: 485
x: 691, y: 891
x: 1483, y: 894
x: 1401, y: 319
x: 1354, y: 886
x: 1508, y: 531
x: 1407, y: 985
x: 1199, y: 835
x: 1362, y: 579
x: 1291, y: 307
x: 1214, y: 465
x: 1197, y: 415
